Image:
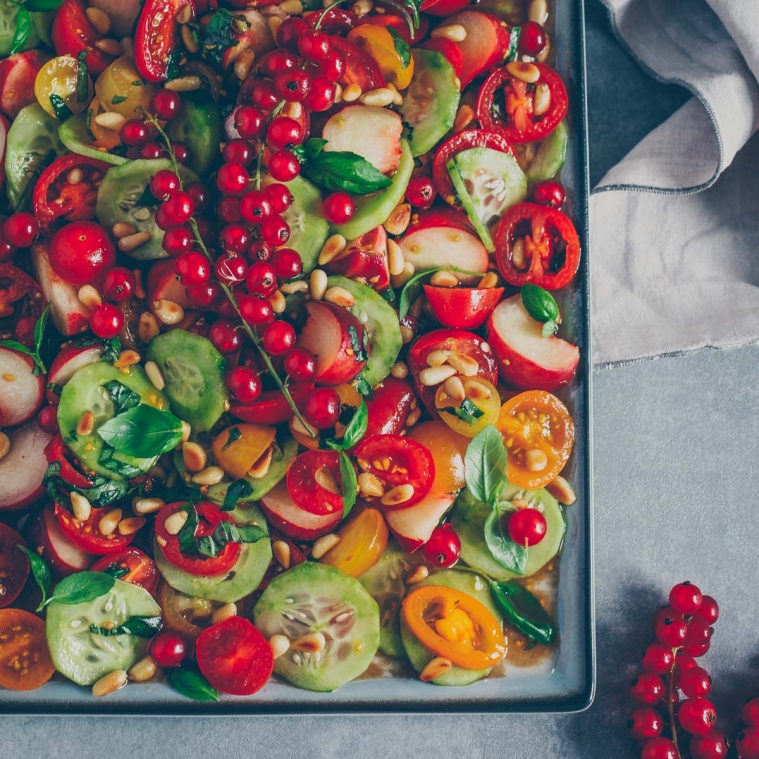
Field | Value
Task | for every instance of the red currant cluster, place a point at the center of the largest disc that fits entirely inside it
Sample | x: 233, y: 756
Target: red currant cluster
x: 683, y: 634
x: 747, y: 740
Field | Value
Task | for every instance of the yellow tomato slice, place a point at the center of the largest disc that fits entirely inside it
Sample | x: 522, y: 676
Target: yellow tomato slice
x: 240, y: 446
x: 379, y: 43
x: 105, y: 139
x: 478, y: 409
x: 448, y: 448
x: 362, y: 541
x: 121, y: 89
x: 56, y: 87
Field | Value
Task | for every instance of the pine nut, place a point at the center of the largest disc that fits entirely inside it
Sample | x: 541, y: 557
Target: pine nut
x: 398, y: 221
x: 174, y: 523
x: 517, y: 254
x: 407, y: 334
x: 109, y: 683
x: 148, y: 505
x: 477, y: 391
x: 278, y: 303
x: 161, y: 541
x: 127, y: 45
x: 438, y: 358
x: 110, y: 120
x: 542, y: 100
x: 395, y: 260
x: 110, y: 521
x: 5, y: 445
x: 143, y: 670
x: 110, y: 47
x: 89, y: 297
x: 191, y: 42
x: 340, y: 297
x: 413, y: 417
x: 535, y: 459
x: 184, y: 83
x: 520, y: 503
x: 127, y: 358
x: 537, y: 11
x: 187, y: 429
x: 244, y: 63
x: 261, y: 467
x: 293, y: 111
x: 130, y: 525
x: 323, y: 545
x: 224, y: 612
x: 281, y: 551
x: 280, y: 645
x: 142, y: 214
x: 546, y: 51
x: 132, y: 242
x: 434, y: 375
x: 292, y: 7
x: 168, y: 311
x: 397, y: 97
x: 81, y: 507
x: 444, y: 278
x: 211, y: 475
x: 399, y: 494
x: 363, y: 8
x: 148, y: 327
x: 464, y: 117
x: 464, y: 364
x: 184, y: 14
x: 489, y: 281
x: 155, y: 375
x: 333, y: 247
x: 379, y: 98
x: 454, y: 389
x: 527, y: 72
x: 417, y: 574
x: 310, y: 643
x: 86, y: 424
x: 99, y: 19
x: 290, y: 288
x: 408, y: 271
x: 399, y: 370
x: 370, y: 486
x: 452, y: 32
x: 273, y: 22
x: 338, y: 93
x: 75, y: 176
x: 318, y: 284
x: 435, y: 668
x: 351, y: 93
x: 325, y: 479
x: 562, y: 491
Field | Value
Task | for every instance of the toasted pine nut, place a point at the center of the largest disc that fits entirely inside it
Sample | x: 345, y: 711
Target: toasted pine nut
x: 99, y: 19
x: 110, y: 120
x: 324, y: 544
x: 395, y: 261
x: 224, y: 612
x: 187, y: 430
x: 489, y: 280
x: 122, y: 229
x: 184, y: 83
x: 318, y: 284
x: 333, y: 247
x: 326, y: 480
x: 191, y: 41
x: 5, y: 445
x: 444, y: 278
x: 413, y: 417
x: 438, y: 358
x: 244, y: 63
x: 127, y: 358
x: 519, y: 503
x: 155, y: 375
x: 110, y: 521
x: 261, y: 467
x: 89, y: 297
x: 527, y: 72
x: 175, y: 522
x: 542, y: 100
x: 452, y: 32
x: 464, y: 364
x: 407, y: 334
x: 397, y: 97
x: 562, y: 491
x: 184, y: 14
x: 109, y: 47
x: 143, y: 670
x: 380, y: 97
x: 517, y: 254
x: 536, y: 459
x: 292, y: 7
x: 81, y: 507
x: 168, y: 311
x: 109, y: 683
x: 351, y: 93
x: 132, y: 242
x: 408, y: 271
x: 281, y: 551
x: 338, y: 93
x: 398, y: 221
x: 399, y: 494
x: 130, y: 525
x: 340, y: 297
x: 148, y: 327
x: 293, y: 110
x: 363, y: 8
x: 454, y: 389
x: 278, y: 303
x: 435, y: 668
x: 211, y: 475
x: 399, y: 370
x: 86, y: 424
x: 417, y: 574
x: 310, y: 643
x: 290, y: 288
x: 161, y: 541
x: 434, y: 375
x: 538, y: 11
x: 75, y: 176
x: 142, y: 214
x: 280, y: 645
x: 273, y: 22
x: 370, y: 486
x: 476, y: 390
x: 148, y: 505
x: 464, y: 117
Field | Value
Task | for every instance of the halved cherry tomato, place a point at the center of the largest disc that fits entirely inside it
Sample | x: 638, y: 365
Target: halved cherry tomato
x: 455, y: 144
x: 131, y: 565
x: 14, y: 565
x: 478, y: 409
x: 450, y: 50
x: 25, y: 662
x: 397, y: 460
x: 539, y: 433
x: 209, y: 516
x: 506, y: 104
x: 455, y: 625
x: 121, y: 89
x: 400, y: 25
x: 237, y: 448
x: 389, y: 407
x: 15, y: 285
x: 72, y: 32
x: 271, y: 407
x: 360, y: 67
x: 86, y: 534
x: 551, y: 248
x: 314, y: 482
x: 56, y: 200
x: 185, y: 614
x: 156, y: 37
x: 335, y: 21
x: 362, y: 541
x: 379, y: 43
x: 234, y: 657
x: 55, y: 453
x: 462, y: 307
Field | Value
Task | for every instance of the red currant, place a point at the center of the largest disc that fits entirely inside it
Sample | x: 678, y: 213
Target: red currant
x: 106, y: 321
x: 421, y: 192
x: 234, y: 238
x: 685, y: 598
x: 322, y: 408
x: 532, y: 39
x: 228, y: 209
x: 20, y: 229
x: 200, y: 195
x: 279, y: 60
x: 699, y: 632
x: 697, y: 715
x: 204, y: 296
x: 119, y: 283
x: 177, y: 240
x: 549, y: 193
x: 645, y: 722
x: 647, y: 689
x: 333, y: 66
x: 314, y: 45
x: 255, y: 206
x: 683, y: 663
x: 300, y: 365
x: 47, y: 419
x: 659, y: 748
x: 292, y: 85
x: 239, y: 151
x: 244, y: 383
x: 225, y: 336
x: 747, y: 743
x: 322, y: 94
x: 283, y: 166
x: 671, y: 631
x: 275, y: 231
x: 249, y: 122
x: 279, y: 197
x: 7, y: 251
x: 287, y: 263
x: 181, y: 152
x: 711, y: 745
x: 709, y: 610
x: 163, y: 184
x: 169, y: 649
x: 134, y: 132
x: 151, y: 151
x: 264, y: 96
x: 261, y: 279
x: 284, y: 132
x: 696, y: 650
x: 165, y: 104
x: 278, y: 338
x: 658, y: 659
x: 695, y: 682
x: 255, y: 310
x: 259, y: 251
x: 231, y: 269
x: 232, y: 179
x: 193, y: 268
x: 289, y: 31
x: 527, y: 527
x: 750, y: 712
x: 443, y: 549
x: 178, y: 208
x: 338, y: 207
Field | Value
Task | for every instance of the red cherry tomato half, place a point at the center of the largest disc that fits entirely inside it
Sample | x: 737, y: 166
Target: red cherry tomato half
x: 312, y: 479
x: 15, y: 285
x: 72, y: 32
x: 462, y: 307
x: 360, y: 67
x: 57, y: 200
x: 14, y: 565
x: 400, y: 25
x: 55, y: 452
x: 131, y: 565
x: 157, y: 37
x: 86, y: 534
x: 389, y: 407
x: 272, y: 407
x: 505, y: 105
x: 551, y: 246
x: 398, y: 460
x: 208, y: 517
x: 234, y: 657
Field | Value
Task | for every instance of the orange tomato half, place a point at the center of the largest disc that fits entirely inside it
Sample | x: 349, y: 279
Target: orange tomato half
x: 381, y: 45
x: 24, y: 657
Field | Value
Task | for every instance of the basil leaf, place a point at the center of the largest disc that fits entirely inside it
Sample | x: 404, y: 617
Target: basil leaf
x: 540, y: 304
x: 237, y: 490
x: 234, y: 436
x: 192, y: 684
x: 363, y: 387
x: 186, y: 535
x: 82, y: 82
x: 348, y: 482
x: 116, y: 571
x: 486, y: 465
x: 522, y: 610
x: 401, y: 47
x: 502, y: 548
x: 16, y: 346
x: 356, y: 428
x: 39, y: 334
x: 41, y: 573
x: 141, y: 627
x: 23, y: 30
x: 40, y: 6
x: 467, y: 411
x: 82, y: 587
x: 342, y: 170
x: 142, y: 431
x: 359, y: 345
x: 123, y: 397
x: 513, y: 52
x: 220, y: 34
x: 112, y: 350
x: 105, y: 491
x: 114, y: 465
x: 227, y: 532
x: 118, y: 99
x: 62, y: 111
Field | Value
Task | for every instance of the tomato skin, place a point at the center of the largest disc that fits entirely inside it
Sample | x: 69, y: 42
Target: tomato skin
x: 30, y: 651
x: 462, y: 307
x: 362, y: 541
x: 360, y: 67
x: 81, y: 252
x: 539, y: 219
x: 141, y: 569
x: 87, y: 536
x: 271, y: 406
x: 235, y: 657
x: 72, y: 32
x: 154, y: 42
x: 306, y: 491
x: 399, y: 24
x: 14, y: 565
x: 15, y: 285
x: 17, y: 76
x: 450, y: 50
x: 389, y: 407
x: 55, y: 452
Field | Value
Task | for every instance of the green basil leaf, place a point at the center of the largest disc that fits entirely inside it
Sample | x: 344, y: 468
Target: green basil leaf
x: 114, y: 465
x: 116, y: 571
x: 62, y: 111
x: 142, y: 431
x: 234, y: 436
x: 522, y: 610
x: 356, y: 428
x: 41, y: 573
x: 540, y: 304
x: 41, y: 6
x: 486, y: 465
x: 401, y: 47
x: 359, y: 345
x: 192, y: 684
x: 363, y: 387
x: 39, y: 334
x: 227, y: 532
x: 467, y: 411
x: 342, y: 170
x: 141, y: 627
x: 106, y: 491
x: 82, y: 81
x: 313, y: 147
x: 118, y: 99
x: 513, y: 52
x: 17, y: 346
x: 123, y: 397
x: 186, y: 535
x: 221, y: 33
x: 82, y: 587
x: 23, y: 30
x: 502, y: 548
x: 349, y: 483
x: 237, y: 490
x: 112, y: 350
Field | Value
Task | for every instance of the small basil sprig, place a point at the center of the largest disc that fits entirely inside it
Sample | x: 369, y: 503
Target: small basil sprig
x: 190, y: 683
x: 349, y: 483
x: 233, y: 436
x: 467, y: 411
x: 354, y: 431
x: 503, y: 549
x: 142, y: 431
x: 41, y: 573
x: 23, y: 30
x: 141, y: 627
x: 237, y: 490
x: 542, y: 307
x: 486, y: 466
x: 516, y: 33
x: 80, y: 588
x: 209, y: 546
x: 522, y: 610
x: 39, y: 334
x: 82, y: 80
x: 413, y: 288
x: 122, y: 397
x: 401, y: 47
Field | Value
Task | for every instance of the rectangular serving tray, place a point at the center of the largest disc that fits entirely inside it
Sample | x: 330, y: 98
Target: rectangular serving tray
x: 568, y: 685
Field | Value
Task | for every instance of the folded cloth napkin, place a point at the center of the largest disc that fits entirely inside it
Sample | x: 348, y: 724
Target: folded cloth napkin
x: 675, y: 253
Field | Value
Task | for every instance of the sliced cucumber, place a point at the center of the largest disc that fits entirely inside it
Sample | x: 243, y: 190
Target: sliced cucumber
x: 32, y: 143
x: 432, y: 100
x: 419, y: 655
x: 73, y: 134
x: 121, y: 198
x: 85, y: 392
x: 551, y: 155
x: 308, y: 227
x: 384, y: 581
x: 375, y: 209
x: 199, y: 126
x: 240, y: 581
x: 382, y: 326
x: 468, y: 519
x: 467, y: 203
x: 319, y: 598
x: 194, y: 374
x: 85, y: 657
x: 43, y: 24
x: 8, y: 15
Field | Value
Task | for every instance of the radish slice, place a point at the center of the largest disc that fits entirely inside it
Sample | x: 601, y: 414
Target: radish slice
x: 430, y: 247
x: 289, y: 519
x: 66, y: 364
x: 22, y: 469
x: 413, y: 527
x: 62, y: 555
x: 21, y: 391
x: 486, y: 42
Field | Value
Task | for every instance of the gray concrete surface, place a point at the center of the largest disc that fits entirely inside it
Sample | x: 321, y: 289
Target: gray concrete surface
x: 675, y: 443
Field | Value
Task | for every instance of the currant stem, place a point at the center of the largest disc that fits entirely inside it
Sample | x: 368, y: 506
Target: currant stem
x: 671, y: 701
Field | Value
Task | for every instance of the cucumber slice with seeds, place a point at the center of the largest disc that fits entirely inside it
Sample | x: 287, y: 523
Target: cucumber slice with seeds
x: 551, y: 156
x: 73, y: 134
x: 199, y: 126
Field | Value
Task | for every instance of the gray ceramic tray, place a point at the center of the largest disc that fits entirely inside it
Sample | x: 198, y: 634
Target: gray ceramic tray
x: 564, y: 684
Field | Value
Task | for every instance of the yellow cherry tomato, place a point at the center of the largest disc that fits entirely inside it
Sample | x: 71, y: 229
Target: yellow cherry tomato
x: 105, y: 139
x: 448, y: 449
x: 57, y: 87
x: 380, y: 44
x: 121, y: 89
x: 362, y: 541
x: 240, y: 446
x: 478, y: 409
